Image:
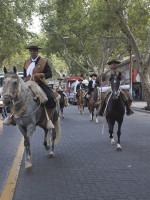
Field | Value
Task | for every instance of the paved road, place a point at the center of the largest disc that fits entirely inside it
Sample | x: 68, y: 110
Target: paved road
x: 86, y: 166
x: 9, y: 139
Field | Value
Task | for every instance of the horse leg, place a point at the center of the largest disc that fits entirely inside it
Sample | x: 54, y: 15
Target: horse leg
x: 53, y: 137
x: 96, y: 118
x: 47, y: 146
x: 119, y: 148
x: 83, y: 108
x: 91, y: 116
x: 62, y: 114
x: 27, y: 137
x: 111, y: 127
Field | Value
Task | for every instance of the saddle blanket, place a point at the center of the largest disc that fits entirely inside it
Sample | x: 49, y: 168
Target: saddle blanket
x: 37, y: 90
x: 122, y: 87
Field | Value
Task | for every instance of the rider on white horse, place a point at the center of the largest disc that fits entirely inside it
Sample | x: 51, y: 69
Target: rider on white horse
x: 37, y: 69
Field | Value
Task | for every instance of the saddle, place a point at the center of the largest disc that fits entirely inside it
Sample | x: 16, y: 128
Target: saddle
x: 37, y: 91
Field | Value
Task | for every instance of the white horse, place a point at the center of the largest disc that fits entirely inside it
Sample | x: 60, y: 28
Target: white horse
x: 28, y: 113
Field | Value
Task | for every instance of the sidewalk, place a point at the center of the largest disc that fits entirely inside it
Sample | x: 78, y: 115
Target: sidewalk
x: 139, y: 106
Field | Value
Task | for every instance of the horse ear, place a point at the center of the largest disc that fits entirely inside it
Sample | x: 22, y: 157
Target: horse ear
x: 111, y: 77
x: 119, y: 76
x: 14, y: 69
x: 5, y: 70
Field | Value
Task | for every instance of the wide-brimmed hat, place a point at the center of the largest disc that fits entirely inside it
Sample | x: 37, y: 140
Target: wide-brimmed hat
x: 113, y: 61
x: 93, y: 75
x: 33, y: 47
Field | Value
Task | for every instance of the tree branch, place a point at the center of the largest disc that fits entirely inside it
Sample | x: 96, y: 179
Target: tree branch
x: 85, y: 70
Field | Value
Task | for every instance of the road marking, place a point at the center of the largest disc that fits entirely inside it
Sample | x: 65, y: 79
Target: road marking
x: 10, y: 185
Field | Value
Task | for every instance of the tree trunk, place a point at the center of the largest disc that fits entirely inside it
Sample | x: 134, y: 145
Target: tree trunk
x: 144, y: 76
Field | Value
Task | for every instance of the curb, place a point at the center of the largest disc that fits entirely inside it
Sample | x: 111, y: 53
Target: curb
x: 140, y: 110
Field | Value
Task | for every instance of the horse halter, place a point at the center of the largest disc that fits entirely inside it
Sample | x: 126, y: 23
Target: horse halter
x: 115, y: 88
x: 16, y: 94
x: 9, y: 82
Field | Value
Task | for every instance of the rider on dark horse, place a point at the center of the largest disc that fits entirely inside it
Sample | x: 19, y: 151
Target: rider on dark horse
x: 79, y: 87
x: 37, y: 69
x: 106, y: 79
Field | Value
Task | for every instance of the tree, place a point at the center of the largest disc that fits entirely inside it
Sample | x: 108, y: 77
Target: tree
x: 135, y: 25
x: 14, y: 20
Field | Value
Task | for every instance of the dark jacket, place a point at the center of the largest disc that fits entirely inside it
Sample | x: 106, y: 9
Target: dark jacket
x: 41, y: 66
x: 78, y: 86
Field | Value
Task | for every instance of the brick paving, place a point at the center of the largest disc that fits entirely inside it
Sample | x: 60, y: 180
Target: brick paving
x: 86, y: 166
x: 9, y: 140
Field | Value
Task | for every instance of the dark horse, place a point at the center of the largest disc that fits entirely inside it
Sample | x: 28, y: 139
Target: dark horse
x: 92, y: 103
x: 115, y: 109
x: 62, y: 103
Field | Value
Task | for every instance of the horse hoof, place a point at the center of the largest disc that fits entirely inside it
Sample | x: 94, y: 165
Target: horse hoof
x: 47, y: 147
x: 112, y: 141
x: 28, y: 165
x: 119, y: 148
x: 51, y: 154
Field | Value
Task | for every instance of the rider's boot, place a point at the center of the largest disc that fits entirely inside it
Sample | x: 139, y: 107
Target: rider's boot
x: 9, y: 121
x: 129, y: 111
x: 49, y: 124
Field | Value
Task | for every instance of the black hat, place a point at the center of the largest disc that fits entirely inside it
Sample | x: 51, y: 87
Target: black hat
x: 80, y: 80
x: 33, y: 47
x: 93, y: 75
x: 113, y: 61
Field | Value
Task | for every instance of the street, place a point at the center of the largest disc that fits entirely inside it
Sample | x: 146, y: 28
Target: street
x: 86, y: 166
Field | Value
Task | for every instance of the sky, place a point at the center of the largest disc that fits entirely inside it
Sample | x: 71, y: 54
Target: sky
x: 36, y: 27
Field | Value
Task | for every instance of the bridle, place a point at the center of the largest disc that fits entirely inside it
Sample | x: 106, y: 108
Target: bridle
x: 24, y: 99
x: 117, y: 93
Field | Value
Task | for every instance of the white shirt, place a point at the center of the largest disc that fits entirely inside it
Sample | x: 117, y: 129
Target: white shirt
x: 31, y: 66
x: 93, y: 84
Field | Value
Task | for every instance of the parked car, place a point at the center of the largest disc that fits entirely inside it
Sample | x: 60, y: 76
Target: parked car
x: 72, y: 94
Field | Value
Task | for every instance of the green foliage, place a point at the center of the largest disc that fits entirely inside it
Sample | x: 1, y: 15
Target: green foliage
x: 15, y: 17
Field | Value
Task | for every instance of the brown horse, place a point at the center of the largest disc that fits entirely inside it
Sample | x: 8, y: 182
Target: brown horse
x: 80, y: 100
x: 93, y: 104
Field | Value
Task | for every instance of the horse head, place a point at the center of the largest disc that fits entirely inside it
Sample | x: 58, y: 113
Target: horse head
x: 11, y: 86
x: 115, y: 84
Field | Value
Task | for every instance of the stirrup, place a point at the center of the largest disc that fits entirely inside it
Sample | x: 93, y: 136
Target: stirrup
x: 49, y: 125
x: 8, y: 120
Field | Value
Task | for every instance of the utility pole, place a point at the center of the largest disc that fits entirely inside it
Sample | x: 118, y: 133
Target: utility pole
x: 130, y: 50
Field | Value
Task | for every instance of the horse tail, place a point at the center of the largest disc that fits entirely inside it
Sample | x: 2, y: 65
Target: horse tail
x: 58, y: 130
